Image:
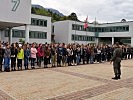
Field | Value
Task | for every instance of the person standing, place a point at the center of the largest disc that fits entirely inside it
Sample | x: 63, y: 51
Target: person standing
x: 20, y: 56
x: 116, y: 59
x: 14, y: 52
x: 53, y: 56
x: 1, y: 57
x: 33, y: 52
x: 7, y: 58
x: 40, y: 54
x: 26, y: 56
x: 46, y: 56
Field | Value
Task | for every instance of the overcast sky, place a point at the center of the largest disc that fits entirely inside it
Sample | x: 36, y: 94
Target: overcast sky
x: 103, y: 10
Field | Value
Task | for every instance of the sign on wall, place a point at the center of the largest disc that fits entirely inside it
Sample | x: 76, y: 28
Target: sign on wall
x: 15, y: 4
x: 15, y: 11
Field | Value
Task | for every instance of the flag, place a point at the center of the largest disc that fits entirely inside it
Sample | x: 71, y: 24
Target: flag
x: 86, y: 23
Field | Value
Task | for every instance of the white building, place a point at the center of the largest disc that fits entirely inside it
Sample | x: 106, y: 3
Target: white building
x: 39, y: 30
x: 17, y: 23
x: 14, y: 13
x: 74, y: 32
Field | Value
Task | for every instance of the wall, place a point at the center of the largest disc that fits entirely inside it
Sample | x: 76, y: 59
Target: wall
x: 36, y: 28
x: 20, y: 15
x: 61, y: 31
x: 117, y: 34
x: 91, y: 34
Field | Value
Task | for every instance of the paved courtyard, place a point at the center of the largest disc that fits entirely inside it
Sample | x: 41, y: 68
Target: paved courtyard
x: 84, y: 82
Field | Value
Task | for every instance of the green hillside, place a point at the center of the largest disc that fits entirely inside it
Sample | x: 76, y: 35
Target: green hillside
x: 55, y: 16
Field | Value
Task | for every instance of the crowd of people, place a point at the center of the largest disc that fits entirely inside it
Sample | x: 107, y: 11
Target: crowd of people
x: 30, y: 56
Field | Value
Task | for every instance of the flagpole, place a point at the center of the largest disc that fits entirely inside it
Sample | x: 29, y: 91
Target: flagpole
x: 85, y: 27
x: 86, y: 36
x: 75, y: 33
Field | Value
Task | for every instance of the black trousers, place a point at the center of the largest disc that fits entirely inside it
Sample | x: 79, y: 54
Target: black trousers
x: 45, y: 61
x: 103, y: 57
x: 19, y: 63
x: 117, y: 69
x: 88, y: 58
x: 99, y: 58
x: 1, y: 60
x: 13, y: 63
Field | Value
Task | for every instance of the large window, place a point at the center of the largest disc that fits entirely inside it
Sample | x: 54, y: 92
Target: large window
x: 39, y: 35
x: 82, y: 38
x: 38, y: 22
x: 18, y: 33
x: 32, y: 34
x: 101, y: 29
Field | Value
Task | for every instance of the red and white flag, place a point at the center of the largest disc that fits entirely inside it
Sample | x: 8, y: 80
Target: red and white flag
x: 86, y: 23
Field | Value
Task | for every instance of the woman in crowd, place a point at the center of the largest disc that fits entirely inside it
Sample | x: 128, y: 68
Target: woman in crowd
x: 46, y: 56
x: 1, y: 57
x: 26, y: 56
x: 14, y: 52
x: 53, y: 56
x: 59, y: 55
x: 7, y: 58
x: 78, y: 55
x: 33, y: 52
x: 40, y: 54
x: 74, y: 56
x: 20, y: 57
x: 98, y: 54
x: 70, y: 55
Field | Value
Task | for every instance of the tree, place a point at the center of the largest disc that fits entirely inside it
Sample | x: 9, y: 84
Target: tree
x: 73, y: 16
x: 55, y: 16
x: 33, y: 10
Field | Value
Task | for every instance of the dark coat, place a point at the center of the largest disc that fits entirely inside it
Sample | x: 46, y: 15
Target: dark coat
x: 117, y: 56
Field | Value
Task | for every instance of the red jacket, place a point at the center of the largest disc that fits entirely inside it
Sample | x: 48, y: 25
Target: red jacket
x: 40, y: 52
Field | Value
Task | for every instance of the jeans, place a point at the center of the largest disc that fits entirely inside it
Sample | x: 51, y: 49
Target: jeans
x: 91, y: 59
x: 6, y: 62
x: 78, y: 59
x: 26, y: 62
x: 33, y: 62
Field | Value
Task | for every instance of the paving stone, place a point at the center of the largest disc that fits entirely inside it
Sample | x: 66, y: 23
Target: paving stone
x: 83, y: 82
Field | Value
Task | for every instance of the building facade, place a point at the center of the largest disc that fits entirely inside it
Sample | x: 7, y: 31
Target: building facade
x: 74, y: 32
x: 39, y: 31
x: 14, y: 13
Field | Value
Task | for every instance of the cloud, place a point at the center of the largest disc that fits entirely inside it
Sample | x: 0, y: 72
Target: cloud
x: 103, y: 10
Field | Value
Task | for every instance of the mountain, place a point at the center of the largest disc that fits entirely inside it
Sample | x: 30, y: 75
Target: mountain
x: 54, y: 11
x: 48, y: 9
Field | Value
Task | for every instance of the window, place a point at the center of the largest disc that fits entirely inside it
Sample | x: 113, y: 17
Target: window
x: 41, y: 22
x: 18, y: 33
x: 6, y: 33
x: 45, y: 23
x: 33, y: 21
x: 101, y: 29
x: 38, y: 22
x: 127, y: 28
x: 73, y: 37
x: 53, y: 29
x: 82, y: 38
x: 39, y: 35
